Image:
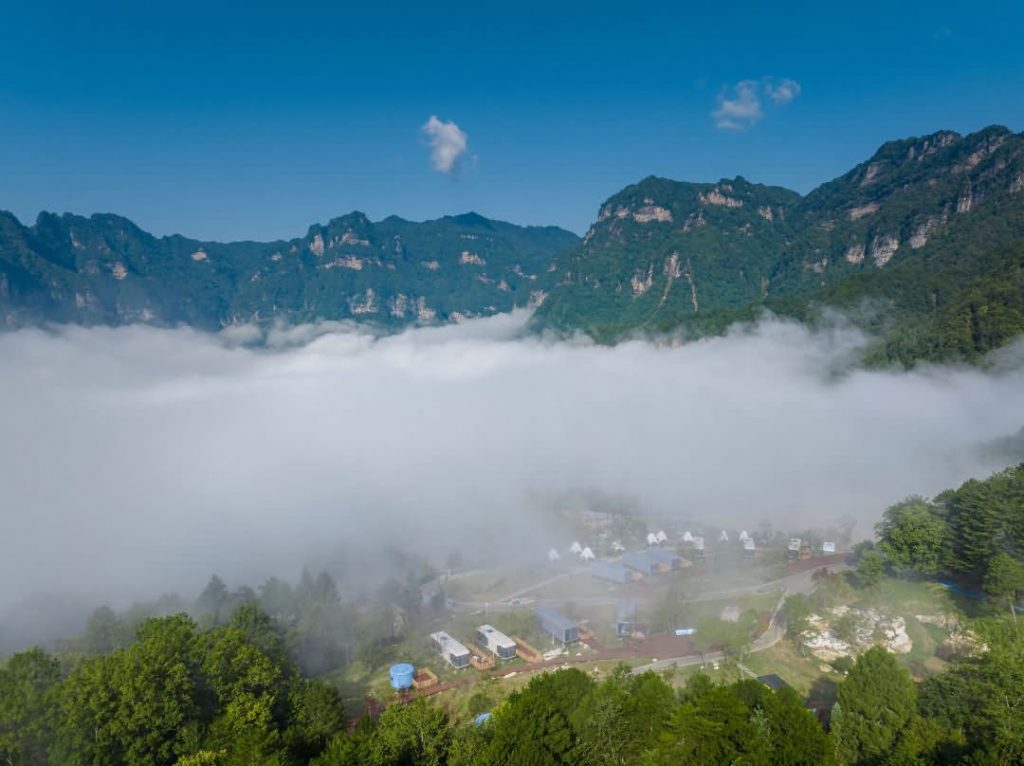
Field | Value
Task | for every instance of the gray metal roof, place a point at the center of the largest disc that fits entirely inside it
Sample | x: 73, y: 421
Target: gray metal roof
x: 610, y: 570
x: 640, y: 560
x: 555, y: 619
x: 662, y: 556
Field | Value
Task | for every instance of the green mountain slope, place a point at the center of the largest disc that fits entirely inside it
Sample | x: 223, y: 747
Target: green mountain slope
x: 664, y: 249
x: 106, y: 270
x: 923, y: 243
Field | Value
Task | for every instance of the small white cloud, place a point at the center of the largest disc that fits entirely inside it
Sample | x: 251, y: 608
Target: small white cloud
x: 782, y: 92
x: 447, y: 141
x: 741, y: 105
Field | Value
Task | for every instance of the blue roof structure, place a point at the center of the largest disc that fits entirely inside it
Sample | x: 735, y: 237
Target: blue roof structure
x: 662, y: 556
x: 641, y: 561
x: 608, y: 570
x: 558, y: 625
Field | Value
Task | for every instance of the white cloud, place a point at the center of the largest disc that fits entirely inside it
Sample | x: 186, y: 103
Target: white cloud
x: 782, y: 92
x: 740, y: 106
x: 447, y: 142
x: 139, y: 460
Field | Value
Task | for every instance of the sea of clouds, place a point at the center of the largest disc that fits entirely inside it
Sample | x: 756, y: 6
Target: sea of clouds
x: 138, y: 460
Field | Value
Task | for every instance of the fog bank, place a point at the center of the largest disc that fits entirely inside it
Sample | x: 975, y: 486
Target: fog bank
x: 139, y: 460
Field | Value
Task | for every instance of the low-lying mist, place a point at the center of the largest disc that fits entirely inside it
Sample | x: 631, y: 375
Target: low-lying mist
x: 137, y: 460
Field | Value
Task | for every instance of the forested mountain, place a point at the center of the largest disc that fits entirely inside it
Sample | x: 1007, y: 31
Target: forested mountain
x: 106, y: 270
x: 924, y: 242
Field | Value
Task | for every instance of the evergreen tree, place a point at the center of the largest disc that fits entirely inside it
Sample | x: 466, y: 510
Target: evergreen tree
x: 1004, y: 579
x: 877, y: 701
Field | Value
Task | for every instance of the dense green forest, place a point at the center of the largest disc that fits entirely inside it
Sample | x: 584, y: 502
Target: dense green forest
x: 229, y: 695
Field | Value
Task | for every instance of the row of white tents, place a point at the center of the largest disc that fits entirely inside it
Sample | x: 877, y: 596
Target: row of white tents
x: 584, y: 553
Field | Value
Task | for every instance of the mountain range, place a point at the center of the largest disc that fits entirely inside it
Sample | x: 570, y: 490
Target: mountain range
x: 922, y: 244
x: 106, y: 270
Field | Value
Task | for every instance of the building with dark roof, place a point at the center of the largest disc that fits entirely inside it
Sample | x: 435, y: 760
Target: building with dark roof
x: 773, y: 681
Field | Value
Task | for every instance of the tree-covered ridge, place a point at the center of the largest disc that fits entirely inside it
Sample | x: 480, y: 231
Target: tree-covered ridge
x: 106, y: 270
x: 663, y: 248
x: 923, y: 244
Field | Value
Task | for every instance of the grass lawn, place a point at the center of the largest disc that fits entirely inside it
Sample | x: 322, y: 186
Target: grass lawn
x: 807, y: 675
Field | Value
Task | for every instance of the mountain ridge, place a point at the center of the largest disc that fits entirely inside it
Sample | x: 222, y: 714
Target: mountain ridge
x: 104, y: 269
x: 931, y: 228
x: 920, y: 224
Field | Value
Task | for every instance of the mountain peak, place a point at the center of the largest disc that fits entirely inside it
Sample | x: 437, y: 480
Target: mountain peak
x: 472, y: 218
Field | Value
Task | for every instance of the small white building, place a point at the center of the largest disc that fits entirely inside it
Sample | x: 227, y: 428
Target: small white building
x: 454, y: 652
x: 496, y: 642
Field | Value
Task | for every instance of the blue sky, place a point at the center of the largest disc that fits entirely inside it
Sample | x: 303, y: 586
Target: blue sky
x: 246, y: 120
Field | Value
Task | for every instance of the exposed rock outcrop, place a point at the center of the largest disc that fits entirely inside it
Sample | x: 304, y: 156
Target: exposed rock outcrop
x: 715, y: 197
x: 859, y: 212
x: 883, y: 248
